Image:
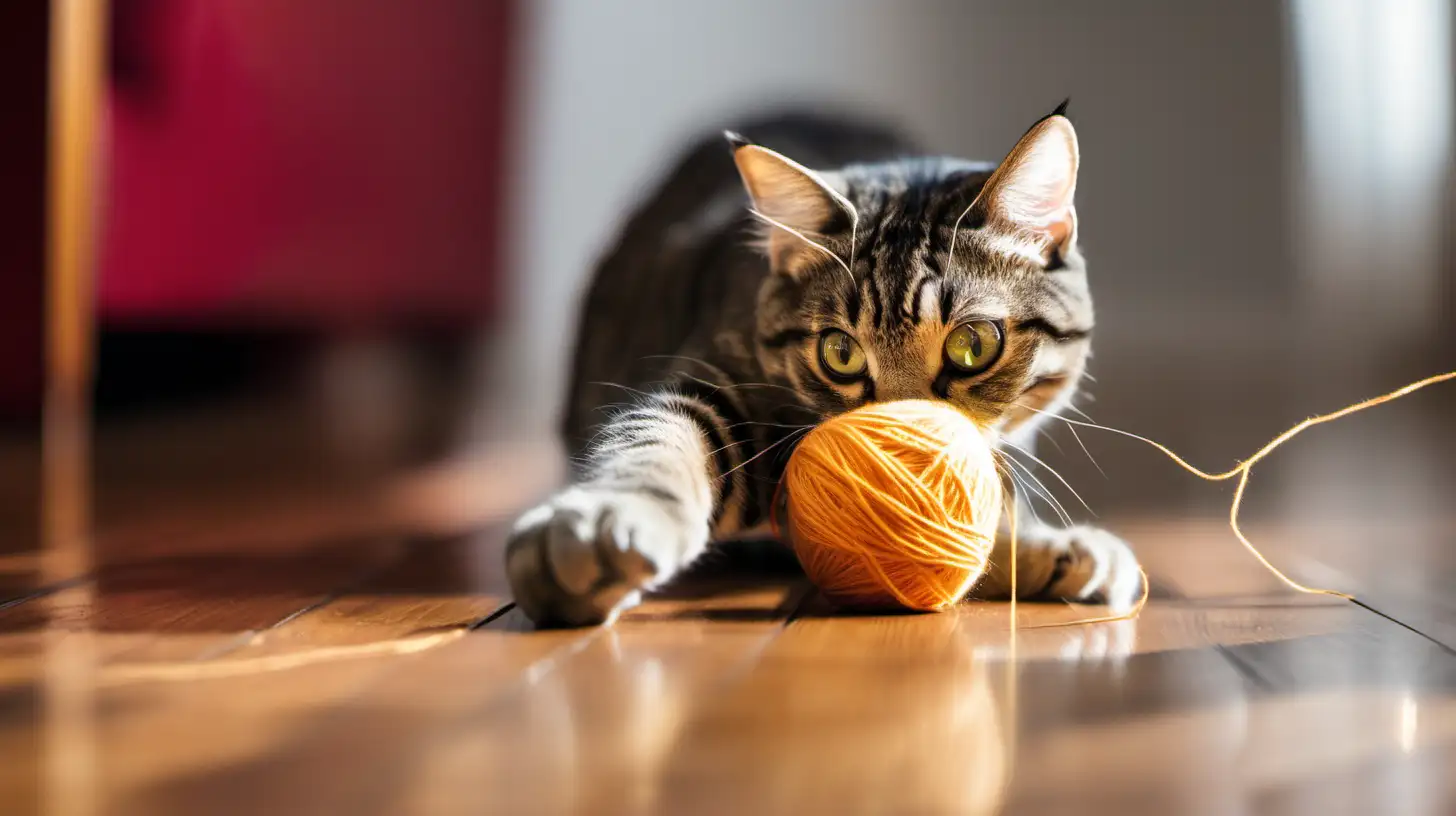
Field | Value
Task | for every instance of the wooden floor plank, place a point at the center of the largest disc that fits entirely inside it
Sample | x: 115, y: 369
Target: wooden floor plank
x: 436, y: 585
x: 1404, y: 570
x: 145, y: 699
x: 21, y: 576
x: 253, y: 707
x: 60, y: 653
x: 1354, y: 692
x: 506, y: 720
x: 167, y: 608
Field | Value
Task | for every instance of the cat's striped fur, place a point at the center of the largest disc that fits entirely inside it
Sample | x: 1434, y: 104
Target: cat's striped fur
x: 698, y: 360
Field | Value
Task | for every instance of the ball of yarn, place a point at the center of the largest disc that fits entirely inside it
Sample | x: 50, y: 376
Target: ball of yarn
x: 894, y: 505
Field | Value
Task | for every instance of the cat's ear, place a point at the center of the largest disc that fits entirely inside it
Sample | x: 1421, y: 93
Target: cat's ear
x: 1030, y: 194
x: 790, y: 197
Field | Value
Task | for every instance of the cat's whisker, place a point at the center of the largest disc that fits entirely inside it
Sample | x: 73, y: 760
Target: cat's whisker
x: 700, y: 361
x: 1031, y: 475
x: 1037, y: 488
x: 1020, y: 489
x: 724, y: 386
x: 782, y: 457
x: 1052, y: 439
x: 750, y: 459
x: 1083, y: 445
x: 1071, y: 407
x: 1030, y: 497
x: 765, y: 385
x: 699, y: 380
x: 791, y: 426
x: 730, y: 445
x: 1180, y: 461
x: 628, y: 388
x: 1033, y: 457
x: 806, y: 239
x: 955, y: 231
x: 1046, y: 495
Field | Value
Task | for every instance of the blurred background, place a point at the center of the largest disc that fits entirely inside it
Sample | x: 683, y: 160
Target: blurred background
x: 342, y: 240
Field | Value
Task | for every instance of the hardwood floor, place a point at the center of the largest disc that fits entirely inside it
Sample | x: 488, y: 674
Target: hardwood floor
x: 285, y: 645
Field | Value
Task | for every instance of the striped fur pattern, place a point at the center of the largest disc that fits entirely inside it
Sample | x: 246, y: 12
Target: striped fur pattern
x: 704, y: 347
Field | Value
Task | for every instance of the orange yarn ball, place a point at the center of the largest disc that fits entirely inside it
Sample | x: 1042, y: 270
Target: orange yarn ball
x: 894, y: 504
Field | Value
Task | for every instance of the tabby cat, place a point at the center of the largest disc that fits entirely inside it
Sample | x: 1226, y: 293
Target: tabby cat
x: 721, y: 326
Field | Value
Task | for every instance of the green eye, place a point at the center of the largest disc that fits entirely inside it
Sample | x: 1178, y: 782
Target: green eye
x: 841, y: 355
x: 972, y: 347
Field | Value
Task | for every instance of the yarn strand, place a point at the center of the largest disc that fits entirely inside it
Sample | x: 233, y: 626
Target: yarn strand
x: 1245, y: 468
x: 893, y: 503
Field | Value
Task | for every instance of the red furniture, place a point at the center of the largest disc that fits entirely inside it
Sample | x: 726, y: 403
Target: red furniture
x: 308, y: 165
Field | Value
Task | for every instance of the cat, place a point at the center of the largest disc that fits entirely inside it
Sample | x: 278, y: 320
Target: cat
x: 724, y: 324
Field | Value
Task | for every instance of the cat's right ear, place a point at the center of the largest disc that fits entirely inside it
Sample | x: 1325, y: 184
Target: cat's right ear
x: 792, y: 199
x: 1029, y: 196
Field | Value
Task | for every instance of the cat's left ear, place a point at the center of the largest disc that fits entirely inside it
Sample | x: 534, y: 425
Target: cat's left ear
x: 1030, y: 194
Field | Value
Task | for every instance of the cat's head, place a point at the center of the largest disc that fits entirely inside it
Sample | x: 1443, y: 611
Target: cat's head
x: 925, y: 278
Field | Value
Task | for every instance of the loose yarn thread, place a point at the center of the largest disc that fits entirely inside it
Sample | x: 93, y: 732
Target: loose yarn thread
x: 1243, y: 471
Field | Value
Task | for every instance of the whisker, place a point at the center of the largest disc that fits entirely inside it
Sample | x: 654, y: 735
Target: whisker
x: 724, y: 386
x: 730, y: 445
x: 1180, y: 461
x: 1053, y: 471
x: 955, y: 231
x: 1083, y: 445
x: 1070, y: 407
x: 1047, y: 495
x: 1041, y: 490
x: 792, y: 426
x: 1052, y: 439
x: 628, y: 388
x: 699, y: 380
x: 700, y: 361
x: 750, y: 459
x: 1020, y: 490
x: 806, y: 239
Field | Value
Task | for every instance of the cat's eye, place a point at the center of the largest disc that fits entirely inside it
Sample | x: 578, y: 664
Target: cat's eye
x: 973, y: 347
x: 841, y: 356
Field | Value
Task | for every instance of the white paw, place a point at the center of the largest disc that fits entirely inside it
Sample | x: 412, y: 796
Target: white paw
x: 586, y: 554
x: 1095, y: 566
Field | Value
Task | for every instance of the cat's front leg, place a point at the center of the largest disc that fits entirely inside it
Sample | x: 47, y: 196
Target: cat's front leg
x: 1083, y: 564
x: 640, y: 513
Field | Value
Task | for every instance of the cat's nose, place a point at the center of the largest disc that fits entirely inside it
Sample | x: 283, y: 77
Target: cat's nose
x: 892, y: 392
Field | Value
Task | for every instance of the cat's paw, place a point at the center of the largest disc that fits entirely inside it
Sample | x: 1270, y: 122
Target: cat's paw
x: 1094, y: 566
x: 586, y: 554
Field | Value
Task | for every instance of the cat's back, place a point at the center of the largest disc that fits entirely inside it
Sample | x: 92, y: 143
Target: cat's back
x: 681, y: 268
